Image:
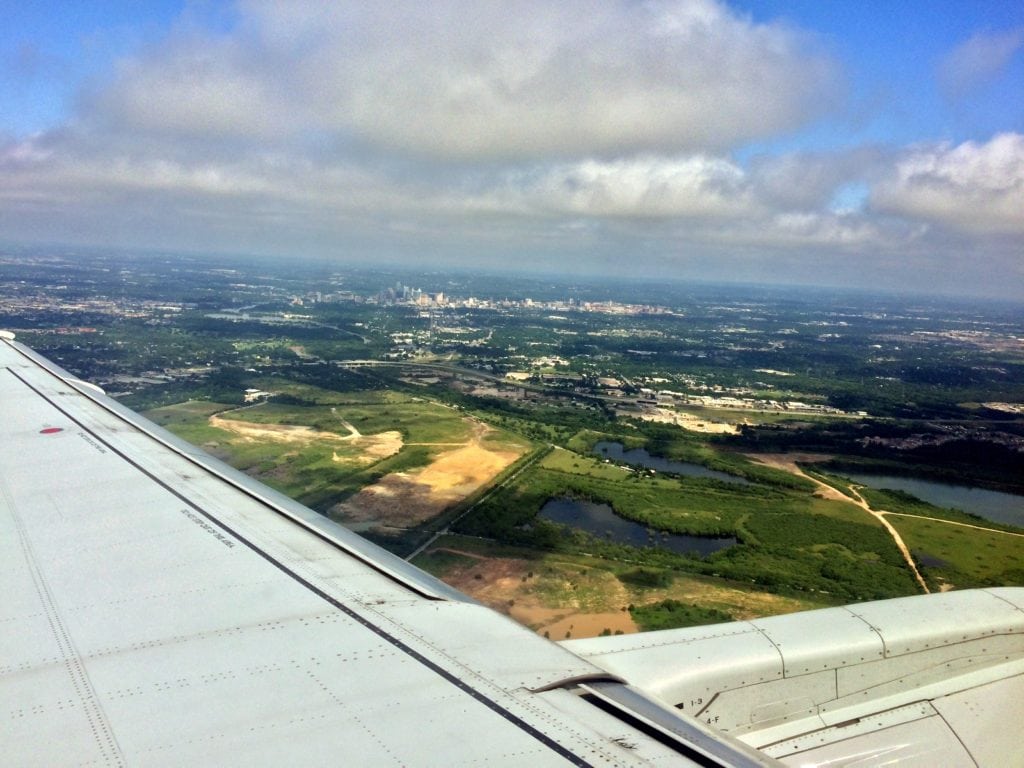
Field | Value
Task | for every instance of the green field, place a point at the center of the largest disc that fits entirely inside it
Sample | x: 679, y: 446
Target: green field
x: 419, y: 421
x: 190, y: 420
x: 669, y: 614
x: 927, y: 382
x: 962, y: 557
x: 791, y: 542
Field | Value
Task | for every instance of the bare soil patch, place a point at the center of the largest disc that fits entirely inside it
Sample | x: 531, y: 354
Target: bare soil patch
x: 539, y: 594
x: 406, y: 499
x: 688, y: 421
x: 697, y: 424
x: 533, y: 595
x: 589, y: 625
x: 788, y: 461
x: 279, y: 433
x: 371, y: 447
x: 509, y: 586
x: 740, y: 603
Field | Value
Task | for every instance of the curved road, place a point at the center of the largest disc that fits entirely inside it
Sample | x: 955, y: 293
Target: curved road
x: 828, y: 492
x: 879, y: 515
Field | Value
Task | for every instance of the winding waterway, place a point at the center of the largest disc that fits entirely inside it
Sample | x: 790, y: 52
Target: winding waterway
x: 996, y: 506
x: 639, y: 457
x: 601, y: 520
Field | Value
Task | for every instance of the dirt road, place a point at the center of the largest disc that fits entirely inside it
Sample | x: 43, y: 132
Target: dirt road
x: 788, y: 463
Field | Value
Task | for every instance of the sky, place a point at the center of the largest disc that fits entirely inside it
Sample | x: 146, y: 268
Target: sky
x: 857, y: 143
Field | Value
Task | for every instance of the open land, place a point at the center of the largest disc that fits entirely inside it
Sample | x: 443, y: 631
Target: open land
x: 369, y: 448
x: 440, y: 472
x: 406, y: 499
x: 565, y: 596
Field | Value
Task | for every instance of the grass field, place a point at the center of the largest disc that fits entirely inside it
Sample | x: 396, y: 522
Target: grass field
x: 419, y: 421
x: 397, y: 461
x: 317, y: 471
x: 959, y: 556
x: 751, y: 416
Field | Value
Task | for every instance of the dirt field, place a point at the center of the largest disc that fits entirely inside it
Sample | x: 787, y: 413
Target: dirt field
x: 371, y: 448
x: 405, y: 499
x: 688, y: 421
x: 788, y: 461
x: 510, y: 586
x: 697, y: 424
x: 559, y: 598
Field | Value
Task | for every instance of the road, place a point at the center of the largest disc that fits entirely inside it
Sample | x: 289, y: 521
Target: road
x: 828, y: 492
x: 879, y: 515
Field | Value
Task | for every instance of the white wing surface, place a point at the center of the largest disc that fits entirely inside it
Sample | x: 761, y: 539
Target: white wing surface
x: 159, y: 608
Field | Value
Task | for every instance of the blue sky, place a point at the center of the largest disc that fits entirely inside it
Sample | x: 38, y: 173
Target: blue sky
x: 51, y: 50
x: 838, y: 143
x: 892, y: 53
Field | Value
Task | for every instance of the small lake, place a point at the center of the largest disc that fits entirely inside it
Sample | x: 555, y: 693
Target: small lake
x: 639, y: 457
x: 992, y: 505
x: 600, y: 520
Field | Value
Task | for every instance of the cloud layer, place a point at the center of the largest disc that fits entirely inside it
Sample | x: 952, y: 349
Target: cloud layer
x: 971, y: 187
x: 483, y: 79
x: 979, y: 60
x: 474, y: 130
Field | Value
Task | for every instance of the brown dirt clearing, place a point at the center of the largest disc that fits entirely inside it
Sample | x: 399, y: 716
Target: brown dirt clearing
x: 506, y: 585
x: 689, y: 422
x: 405, y: 499
x: 535, y: 594
x: 787, y: 462
x: 371, y: 447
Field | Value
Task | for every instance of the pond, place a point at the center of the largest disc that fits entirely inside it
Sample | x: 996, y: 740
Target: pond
x: 996, y: 506
x: 639, y: 457
x: 600, y: 520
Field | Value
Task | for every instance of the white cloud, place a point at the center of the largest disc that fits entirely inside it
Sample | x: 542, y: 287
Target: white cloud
x: 197, y: 87
x: 969, y: 187
x: 642, y: 187
x: 473, y: 79
x: 811, y: 180
x: 978, y: 61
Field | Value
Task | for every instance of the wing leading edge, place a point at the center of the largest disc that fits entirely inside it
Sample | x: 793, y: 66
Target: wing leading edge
x: 161, y: 608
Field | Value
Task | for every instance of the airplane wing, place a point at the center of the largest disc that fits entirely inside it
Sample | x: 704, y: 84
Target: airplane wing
x: 160, y: 608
